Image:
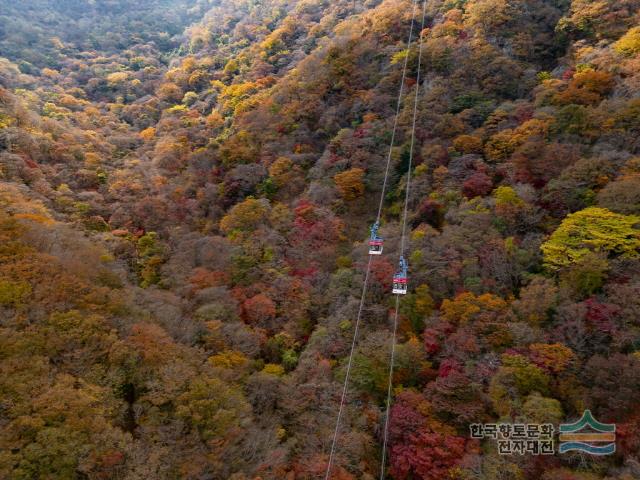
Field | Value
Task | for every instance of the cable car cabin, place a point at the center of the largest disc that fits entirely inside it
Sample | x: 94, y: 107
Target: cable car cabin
x: 375, y: 242
x: 399, y: 285
x: 375, y: 246
x: 400, y: 278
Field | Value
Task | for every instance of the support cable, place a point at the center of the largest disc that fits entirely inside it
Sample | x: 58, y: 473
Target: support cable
x: 368, y: 270
x: 403, y: 243
x: 397, y: 115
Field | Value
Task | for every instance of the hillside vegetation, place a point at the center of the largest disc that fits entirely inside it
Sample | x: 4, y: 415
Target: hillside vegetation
x: 186, y: 191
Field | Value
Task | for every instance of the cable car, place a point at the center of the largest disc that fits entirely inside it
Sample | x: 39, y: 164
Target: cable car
x: 400, y: 278
x: 375, y: 242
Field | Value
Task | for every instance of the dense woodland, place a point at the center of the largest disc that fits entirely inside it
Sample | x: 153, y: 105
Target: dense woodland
x: 186, y: 188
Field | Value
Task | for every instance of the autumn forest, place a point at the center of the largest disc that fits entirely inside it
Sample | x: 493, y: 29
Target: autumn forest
x: 187, y: 189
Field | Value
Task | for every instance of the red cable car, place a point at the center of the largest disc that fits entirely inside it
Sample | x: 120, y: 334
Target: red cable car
x: 376, y: 243
x: 400, y: 278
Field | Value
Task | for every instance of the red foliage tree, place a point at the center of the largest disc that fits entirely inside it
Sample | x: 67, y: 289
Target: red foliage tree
x: 432, y: 341
x: 382, y: 273
x: 479, y: 184
x: 628, y: 436
x: 601, y: 316
x: 259, y: 308
x: 315, y: 226
x: 431, y: 212
x: 418, y: 450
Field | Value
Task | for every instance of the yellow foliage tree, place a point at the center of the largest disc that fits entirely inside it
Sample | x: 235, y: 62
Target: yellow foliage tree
x: 148, y: 134
x: 586, y: 88
x: 629, y: 44
x: 117, y: 77
x: 350, y: 184
x: 245, y: 216
x: 553, y: 357
x: 229, y: 359
x: 468, y: 144
x: 215, y: 120
x: 467, y: 307
x: 592, y: 230
x: 50, y: 73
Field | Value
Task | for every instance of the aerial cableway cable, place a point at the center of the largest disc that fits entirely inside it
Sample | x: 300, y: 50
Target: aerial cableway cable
x: 403, y: 243
x: 374, y: 229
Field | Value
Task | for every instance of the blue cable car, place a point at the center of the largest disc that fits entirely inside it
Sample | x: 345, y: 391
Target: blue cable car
x: 400, y: 278
x: 375, y: 242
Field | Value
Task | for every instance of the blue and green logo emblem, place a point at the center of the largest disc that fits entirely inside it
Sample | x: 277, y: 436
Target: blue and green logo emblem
x: 587, y: 435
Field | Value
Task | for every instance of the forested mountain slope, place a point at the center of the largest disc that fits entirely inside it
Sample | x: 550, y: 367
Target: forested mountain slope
x: 186, y: 188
